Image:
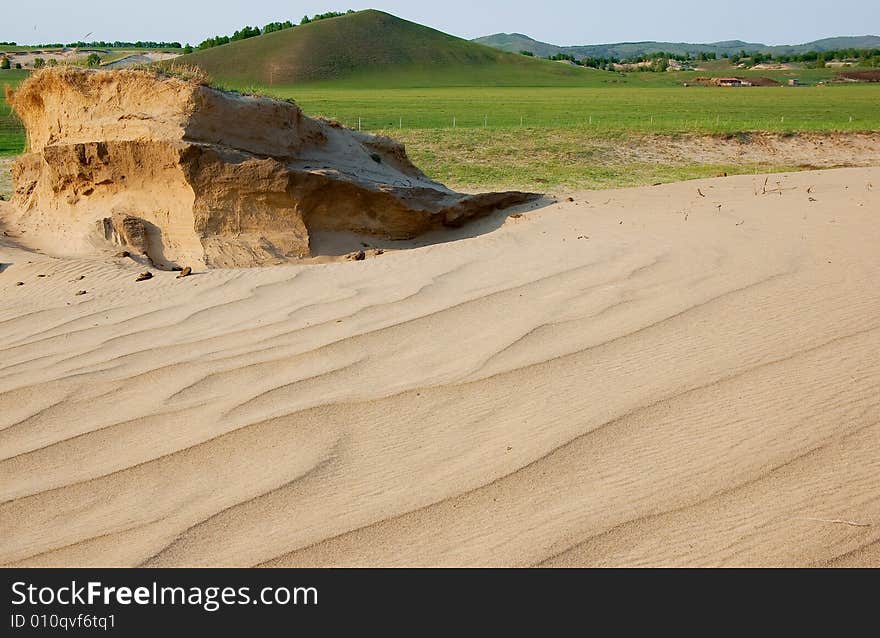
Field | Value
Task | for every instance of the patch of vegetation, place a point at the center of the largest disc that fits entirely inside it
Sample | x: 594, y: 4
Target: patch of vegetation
x: 547, y: 159
x: 325, y: 16
x: 180, y: 71
x: 272, y: 27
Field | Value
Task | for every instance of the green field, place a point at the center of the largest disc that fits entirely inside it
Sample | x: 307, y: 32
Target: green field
x: 11, y: 133
x: 606, y: 110
x: 541, y: 137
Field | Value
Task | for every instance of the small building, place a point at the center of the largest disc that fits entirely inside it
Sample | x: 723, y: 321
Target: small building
x: 731, y: 82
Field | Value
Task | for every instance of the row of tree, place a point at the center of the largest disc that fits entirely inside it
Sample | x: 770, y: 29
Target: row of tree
x: 863, y: 57
x: 251, y: 32
x: 242, y: 34
x: 659, y: 61
x: 325, y: 16
x: 101, y: 44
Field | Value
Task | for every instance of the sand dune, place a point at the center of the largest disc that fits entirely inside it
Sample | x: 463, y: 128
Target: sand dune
x: 679, y: 375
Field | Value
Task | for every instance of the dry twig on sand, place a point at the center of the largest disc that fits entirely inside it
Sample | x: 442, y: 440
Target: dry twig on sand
x: 835, y: 521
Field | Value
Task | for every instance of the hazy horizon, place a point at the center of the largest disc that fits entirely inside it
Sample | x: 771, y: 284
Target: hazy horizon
x: 562, y: 22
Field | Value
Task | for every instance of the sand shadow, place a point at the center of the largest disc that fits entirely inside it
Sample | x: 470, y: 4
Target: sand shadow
x: 7, y: 238
x: 156, y: 249
x: 339, y: 244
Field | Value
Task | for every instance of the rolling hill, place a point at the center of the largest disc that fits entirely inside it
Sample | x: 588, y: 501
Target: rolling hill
x: 375, y: 49
x: 516, y: 42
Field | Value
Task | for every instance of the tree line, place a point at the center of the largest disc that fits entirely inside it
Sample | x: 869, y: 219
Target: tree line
x: 862, y: 57
x: 659, y: 61
x: 101, y: 44
x: 244, y: 33
x: 247, y: 32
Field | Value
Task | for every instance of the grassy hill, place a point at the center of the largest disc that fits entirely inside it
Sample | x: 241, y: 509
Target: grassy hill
x: 515, y: 42
x: 375, y: 49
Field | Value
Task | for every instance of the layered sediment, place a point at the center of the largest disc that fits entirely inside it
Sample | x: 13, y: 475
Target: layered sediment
x: 188, y: 174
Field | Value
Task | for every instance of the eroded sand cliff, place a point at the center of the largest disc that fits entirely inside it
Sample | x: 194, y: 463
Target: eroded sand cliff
x: 188, y: 174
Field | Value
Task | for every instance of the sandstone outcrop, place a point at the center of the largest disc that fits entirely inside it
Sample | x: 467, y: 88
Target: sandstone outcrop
x: 187, y: 174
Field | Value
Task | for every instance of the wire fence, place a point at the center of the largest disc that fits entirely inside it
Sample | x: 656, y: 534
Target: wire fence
x: 615, y: 123
x: 12, y: 134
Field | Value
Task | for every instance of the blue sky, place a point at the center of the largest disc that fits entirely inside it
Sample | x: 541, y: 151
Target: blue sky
x: 557, y: 21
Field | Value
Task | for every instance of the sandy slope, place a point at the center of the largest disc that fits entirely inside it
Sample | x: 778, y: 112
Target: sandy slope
x: 634, y: 378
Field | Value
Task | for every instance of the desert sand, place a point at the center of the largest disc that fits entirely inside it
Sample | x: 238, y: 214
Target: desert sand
x: 678, y: 375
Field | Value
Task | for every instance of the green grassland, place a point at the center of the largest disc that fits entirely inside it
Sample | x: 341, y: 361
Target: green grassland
x: 605, y: 110
x: 544, y: 159
x: 552, y: 74
x: 539, y: 138
x: 11, y: 133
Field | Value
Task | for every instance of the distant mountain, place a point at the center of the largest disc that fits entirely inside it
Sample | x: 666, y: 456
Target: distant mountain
x: 516, y: 42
